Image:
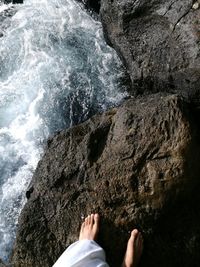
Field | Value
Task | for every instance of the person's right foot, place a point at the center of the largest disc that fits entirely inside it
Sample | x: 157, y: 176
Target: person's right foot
x: 134, y: 249
x: 90, y: 227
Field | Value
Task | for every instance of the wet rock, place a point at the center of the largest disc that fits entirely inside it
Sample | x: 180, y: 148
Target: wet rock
x: 2, y: 264
x: 92, y: 5
x: 158, y: 41
x: 138, y: 166
x: 17, y: 1
x: 13, y: 1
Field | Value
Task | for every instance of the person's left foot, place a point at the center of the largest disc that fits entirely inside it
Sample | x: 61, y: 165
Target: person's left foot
x: 134, y: 249
x: 90, y: 227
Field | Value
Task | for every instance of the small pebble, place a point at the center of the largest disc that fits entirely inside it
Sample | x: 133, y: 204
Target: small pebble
x: 196, y: 5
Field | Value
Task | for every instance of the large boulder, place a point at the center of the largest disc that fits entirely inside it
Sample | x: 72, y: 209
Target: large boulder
x: 158, y: 41
x: 138, y: 166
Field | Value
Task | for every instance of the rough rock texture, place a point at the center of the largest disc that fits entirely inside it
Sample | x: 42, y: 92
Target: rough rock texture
x: 138, y: 166
x: 2, y: 264
x: 158, y: 41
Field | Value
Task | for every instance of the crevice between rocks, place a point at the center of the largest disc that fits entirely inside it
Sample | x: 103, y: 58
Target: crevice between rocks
x: 185, y: 14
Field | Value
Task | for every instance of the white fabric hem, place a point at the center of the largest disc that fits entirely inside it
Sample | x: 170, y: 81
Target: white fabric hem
x: 83, y: 253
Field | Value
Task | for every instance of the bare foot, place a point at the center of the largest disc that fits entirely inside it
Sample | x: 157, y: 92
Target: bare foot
x: 90, y: 227
x: 134, y: 249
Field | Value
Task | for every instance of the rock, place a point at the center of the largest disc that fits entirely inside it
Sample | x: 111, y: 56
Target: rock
x: 17, y: 1
x: 13, y: 1
x: 2, y: 264
x: 196, y: 4
x: 92, y: 5
x: 159, y: 43
x: 138, y: 166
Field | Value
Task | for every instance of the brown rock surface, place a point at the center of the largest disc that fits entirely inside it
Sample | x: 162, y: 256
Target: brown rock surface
x: 138, y: 166
x: 158, y: 41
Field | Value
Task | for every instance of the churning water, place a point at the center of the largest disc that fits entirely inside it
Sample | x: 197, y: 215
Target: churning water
x: 55, y: 71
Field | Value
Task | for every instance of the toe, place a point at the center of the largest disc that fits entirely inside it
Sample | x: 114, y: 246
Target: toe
x: 89, y: 219
x: 96, y: 219
x: 96, y: 223
x: 92, y: 219
x: 134, y: 234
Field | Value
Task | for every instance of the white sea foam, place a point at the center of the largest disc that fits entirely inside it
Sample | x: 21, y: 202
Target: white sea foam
x: 4, y: 7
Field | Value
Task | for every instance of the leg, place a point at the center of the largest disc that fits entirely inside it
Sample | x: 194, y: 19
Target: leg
x: 134, y: 249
